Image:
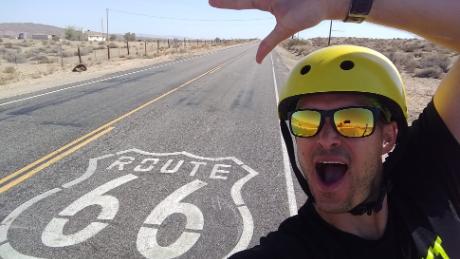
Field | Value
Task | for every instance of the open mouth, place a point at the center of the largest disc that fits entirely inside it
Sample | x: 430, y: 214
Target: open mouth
x: 331, y: 173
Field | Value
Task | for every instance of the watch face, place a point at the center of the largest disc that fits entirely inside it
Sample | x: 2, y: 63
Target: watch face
x: 360, y: 7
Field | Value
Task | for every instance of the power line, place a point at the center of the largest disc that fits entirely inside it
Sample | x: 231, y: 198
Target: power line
x: 190, y: 19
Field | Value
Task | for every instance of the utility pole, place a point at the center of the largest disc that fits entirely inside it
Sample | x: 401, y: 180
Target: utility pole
x: 107, y: 11
x: 330, y: 31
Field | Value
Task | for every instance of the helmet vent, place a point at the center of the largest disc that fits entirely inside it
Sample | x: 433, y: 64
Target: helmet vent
x: 347, y: 65
x: 305, y: 69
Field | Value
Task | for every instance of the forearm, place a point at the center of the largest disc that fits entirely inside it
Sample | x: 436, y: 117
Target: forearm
x: 437, y: 21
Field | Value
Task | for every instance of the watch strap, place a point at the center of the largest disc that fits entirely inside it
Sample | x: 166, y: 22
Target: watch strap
x: 359, y: 9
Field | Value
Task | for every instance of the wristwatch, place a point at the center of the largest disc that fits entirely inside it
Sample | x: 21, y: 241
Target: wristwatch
x: 359, y: 9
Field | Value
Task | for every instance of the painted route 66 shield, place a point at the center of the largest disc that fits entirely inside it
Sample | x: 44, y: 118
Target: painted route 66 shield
x: 137, y: 204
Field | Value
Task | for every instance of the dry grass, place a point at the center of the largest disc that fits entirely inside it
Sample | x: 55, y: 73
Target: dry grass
x: 37, y: 58
x: 419, y: 58
x: 9, y: 70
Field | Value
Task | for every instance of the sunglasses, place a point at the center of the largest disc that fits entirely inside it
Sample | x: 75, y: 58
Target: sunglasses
x: 350, y: 122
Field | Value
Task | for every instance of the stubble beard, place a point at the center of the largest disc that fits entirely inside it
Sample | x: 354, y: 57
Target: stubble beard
x: 361, y: 187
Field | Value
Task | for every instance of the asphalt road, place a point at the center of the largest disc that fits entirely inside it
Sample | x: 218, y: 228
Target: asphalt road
x: 181, y: 159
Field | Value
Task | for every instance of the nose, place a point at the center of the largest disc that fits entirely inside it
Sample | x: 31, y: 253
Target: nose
x: 327, y: 137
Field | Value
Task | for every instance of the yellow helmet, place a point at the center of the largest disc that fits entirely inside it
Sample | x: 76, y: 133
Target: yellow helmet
x: 346, y: 68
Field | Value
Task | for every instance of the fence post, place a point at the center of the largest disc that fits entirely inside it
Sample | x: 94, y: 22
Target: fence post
x: 108, y: 52
x: 127, y: 46
x: 169, y: 45
x: 79, y: 55
x: 145, y: 48
x: 158, y: 45
x: 61, y: 56
x: 185, y: 45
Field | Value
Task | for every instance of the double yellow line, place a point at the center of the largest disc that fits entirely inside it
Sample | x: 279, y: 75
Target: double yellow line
x: 31, y: 169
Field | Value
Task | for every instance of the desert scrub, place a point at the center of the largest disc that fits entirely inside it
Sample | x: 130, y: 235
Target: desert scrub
x: 435, y: 60
x: 9, y: 70
x: 113, y: 45
x: 16, y: 58
x: 25, y: 43
x: 432, y: 72
x: 84, y: 51
x: 42, y: 59
x: 8, y: 45
x: 68, y: 53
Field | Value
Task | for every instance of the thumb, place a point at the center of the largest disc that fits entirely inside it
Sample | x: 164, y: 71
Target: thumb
x: 277, y: 35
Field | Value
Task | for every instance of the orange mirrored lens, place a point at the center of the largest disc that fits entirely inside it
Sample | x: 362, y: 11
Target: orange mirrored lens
x: 305, y: 123
x: 354, y: 122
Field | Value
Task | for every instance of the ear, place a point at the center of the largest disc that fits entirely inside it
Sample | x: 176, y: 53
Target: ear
x: 389, y: 135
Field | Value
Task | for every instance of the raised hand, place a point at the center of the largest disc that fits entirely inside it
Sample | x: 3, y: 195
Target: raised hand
x: 291, y: 16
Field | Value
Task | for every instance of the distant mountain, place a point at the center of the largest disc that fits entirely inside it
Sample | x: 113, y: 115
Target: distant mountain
x: 12, y: 29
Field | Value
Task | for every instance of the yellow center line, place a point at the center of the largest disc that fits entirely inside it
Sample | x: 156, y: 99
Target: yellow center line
x: 60, y: 153
x: 31, y: 165
x: 26, y: 176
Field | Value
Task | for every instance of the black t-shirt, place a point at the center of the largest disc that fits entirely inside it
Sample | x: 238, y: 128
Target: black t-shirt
x: 424, y: 204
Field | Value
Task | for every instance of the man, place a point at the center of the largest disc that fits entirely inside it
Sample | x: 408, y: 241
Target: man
x: 345, y: 107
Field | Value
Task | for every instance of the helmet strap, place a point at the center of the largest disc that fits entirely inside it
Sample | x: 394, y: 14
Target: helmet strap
x: 374, y: 201
x: 290, y: 149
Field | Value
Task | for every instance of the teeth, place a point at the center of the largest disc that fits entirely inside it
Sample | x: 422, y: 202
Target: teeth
x: 331, y: 162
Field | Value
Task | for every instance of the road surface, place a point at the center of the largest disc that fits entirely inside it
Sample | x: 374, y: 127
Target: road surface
x: 178, y: 160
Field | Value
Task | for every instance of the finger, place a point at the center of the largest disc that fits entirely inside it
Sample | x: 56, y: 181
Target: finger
x: 277, y: 35
x: 236, y: 4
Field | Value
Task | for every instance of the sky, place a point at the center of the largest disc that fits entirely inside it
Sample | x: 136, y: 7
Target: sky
x: 179, y: 18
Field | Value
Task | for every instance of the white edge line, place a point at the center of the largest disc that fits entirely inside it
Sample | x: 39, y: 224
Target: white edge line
x: 77, y: 85
x: 287, y: 167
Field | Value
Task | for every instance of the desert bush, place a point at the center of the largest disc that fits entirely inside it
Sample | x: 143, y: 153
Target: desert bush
x: 84, y: 51
x: 402, y: 60
x: 292, y: 42
x: 113, y: 45
x: 25, y: 43
x: 36, y: 75
x: 129, y: 36
x: 5, y: 78
x: 410, y: 65
x: 15, y: 57
x: 68, y: 53
x: 9, y: 70
x: 435, y: 60
x: 42, y: 59
x: 98, y: 47
x: 433, y: 72
x: 54, y: 50
x: 1, y: 40
x: 29, y: 53
x: 8, y: 45
x: 66, y: 43
x: 71, y: 33
x: 45, y: 42
x: 101, y: 43
x: 411, y: 46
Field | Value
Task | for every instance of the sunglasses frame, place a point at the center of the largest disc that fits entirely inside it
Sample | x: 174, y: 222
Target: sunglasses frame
x: 376, y: 112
